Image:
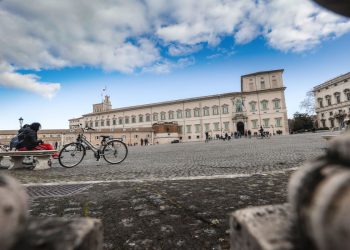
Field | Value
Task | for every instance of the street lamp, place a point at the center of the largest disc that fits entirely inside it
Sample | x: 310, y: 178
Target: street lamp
x: 20, y: 122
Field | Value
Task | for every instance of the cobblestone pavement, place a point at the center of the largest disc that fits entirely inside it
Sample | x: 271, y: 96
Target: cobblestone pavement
x: 174, y: 196
x: 239, y: 156
x: 167, y: 214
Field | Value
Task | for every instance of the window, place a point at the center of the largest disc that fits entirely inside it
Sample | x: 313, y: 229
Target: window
x: 322, y: 115
x: 332, y: 123
x: 251, y: 86
x: 188, y: 128
x: 320, y: 102
x: 120, y: 121
x: 215, y: 110
x: 196, y: 112
x: 96, y: 123
x: 337, y: 98
x: 328, y: 98
x: 278, y: 122
x: 197, y: 128
x: 206, y: 127
x: 226, y: 125
x: 155, y: 117
x: 171, y: 115
x: 266, y: 122
x: 91, y: 124
x: 133, y: 119
x: 148, y: 118
x: 114, y: 122
x: 252, y: 106
x: 216, y: 126
x: 348, y: 95
x: 140, y: 118
x: 126, y: 120
x: 225, y: 109
x: 276, y: 104
x: 86, y: 124
x: 254, y: 123
x: 179, y: 114
x: 323, y: 123
x: 262, y: 84
x: 102, y: 123
x: 108, y: 123
x: 274, y: 82
x: 205, y: 111
x: 162, y: 116
x: 188, y: 113
x: 264, y: 104
x: 330, y: 113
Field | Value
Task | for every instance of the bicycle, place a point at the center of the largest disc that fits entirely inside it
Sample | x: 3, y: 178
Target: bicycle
x: 114, y: 151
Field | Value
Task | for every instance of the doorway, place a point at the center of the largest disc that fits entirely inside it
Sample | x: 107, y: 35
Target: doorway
x: 240, y: 127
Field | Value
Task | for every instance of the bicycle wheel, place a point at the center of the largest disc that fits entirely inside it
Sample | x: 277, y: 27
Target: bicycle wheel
x: 115, y: 151
x: 71, y: 155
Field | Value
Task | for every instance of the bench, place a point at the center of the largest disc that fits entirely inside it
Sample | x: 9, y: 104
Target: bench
x: 41, y: 158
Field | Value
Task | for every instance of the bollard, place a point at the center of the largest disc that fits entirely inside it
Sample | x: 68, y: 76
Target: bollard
x: 13, y: 211
x: 319, y: 194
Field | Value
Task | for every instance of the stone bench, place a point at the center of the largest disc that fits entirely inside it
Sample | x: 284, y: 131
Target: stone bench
x: 41, y: 158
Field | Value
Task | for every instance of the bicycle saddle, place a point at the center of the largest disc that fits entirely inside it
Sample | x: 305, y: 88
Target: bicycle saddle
x: 105, y: 136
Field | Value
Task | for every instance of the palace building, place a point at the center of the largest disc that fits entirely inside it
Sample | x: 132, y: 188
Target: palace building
x: 333, y: 102
x: 261, y: 102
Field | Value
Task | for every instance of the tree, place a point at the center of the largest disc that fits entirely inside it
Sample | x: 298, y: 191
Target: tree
x: 301, y: 121
x: 308, y: 104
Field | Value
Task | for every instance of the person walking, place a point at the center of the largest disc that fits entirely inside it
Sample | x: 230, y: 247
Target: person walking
x: 206, y: 136
x: 141, y: 142
x: 56, y: 145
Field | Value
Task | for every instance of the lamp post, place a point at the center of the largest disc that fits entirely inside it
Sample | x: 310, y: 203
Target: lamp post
x: 20, y: 122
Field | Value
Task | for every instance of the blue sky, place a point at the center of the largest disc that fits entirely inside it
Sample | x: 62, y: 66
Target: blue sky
x: 55, y: 58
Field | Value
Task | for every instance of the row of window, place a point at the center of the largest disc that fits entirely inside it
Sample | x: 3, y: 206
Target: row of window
x: 226, y: 125
x: 264, y: 105
x: 337, y: 97
x: 179, y: 114
x: 252, y: 84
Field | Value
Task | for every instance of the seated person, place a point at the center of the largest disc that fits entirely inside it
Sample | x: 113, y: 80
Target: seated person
x: 29, y: 139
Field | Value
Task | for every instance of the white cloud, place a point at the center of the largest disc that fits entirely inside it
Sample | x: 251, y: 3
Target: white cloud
x: 167, y: 66
x: 131, y: 35
x: 182, y: 50
x: 9, y: 78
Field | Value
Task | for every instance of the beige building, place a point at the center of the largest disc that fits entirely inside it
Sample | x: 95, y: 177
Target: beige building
x: 261, y: 102
x: 333, y: 102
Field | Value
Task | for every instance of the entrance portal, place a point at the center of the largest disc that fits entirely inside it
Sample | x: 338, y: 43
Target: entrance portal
x: 240, y: 127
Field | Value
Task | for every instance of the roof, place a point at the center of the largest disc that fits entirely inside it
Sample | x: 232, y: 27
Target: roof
x: 332, y: 81
x: 163, y: 103
x: 263, y: 72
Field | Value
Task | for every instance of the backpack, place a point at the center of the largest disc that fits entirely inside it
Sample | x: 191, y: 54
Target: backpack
x: 16, y: 141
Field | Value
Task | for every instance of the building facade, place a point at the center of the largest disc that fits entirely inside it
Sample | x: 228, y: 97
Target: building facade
x: 333, y: 102
x: 261, y: 102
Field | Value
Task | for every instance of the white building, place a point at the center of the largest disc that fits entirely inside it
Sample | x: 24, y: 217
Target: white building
x: 261, y: 102
x: 333, y: 102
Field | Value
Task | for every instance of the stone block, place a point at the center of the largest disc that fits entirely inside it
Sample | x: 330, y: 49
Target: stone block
x: 13, y: 210
x: 61, y: 233
x: 263, y: 228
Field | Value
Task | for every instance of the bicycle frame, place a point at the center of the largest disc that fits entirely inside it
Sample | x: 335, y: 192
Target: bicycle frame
x: 97, y: 151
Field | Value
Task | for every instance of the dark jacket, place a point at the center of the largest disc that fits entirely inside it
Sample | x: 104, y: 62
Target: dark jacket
x: 28, y: 138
